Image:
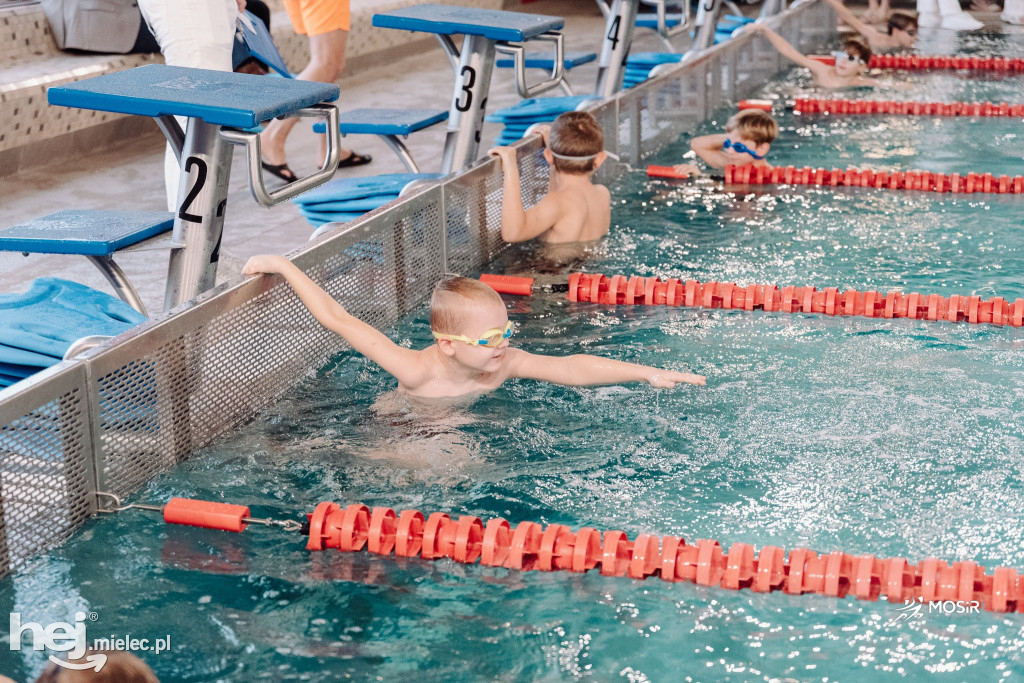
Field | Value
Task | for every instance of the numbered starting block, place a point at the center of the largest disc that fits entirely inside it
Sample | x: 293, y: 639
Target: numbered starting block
x: 219, y: 107
x: 486, y: 33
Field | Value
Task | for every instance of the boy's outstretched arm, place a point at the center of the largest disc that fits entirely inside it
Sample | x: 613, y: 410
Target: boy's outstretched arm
x: 582, y: 369
x: 367, y: 340
x: 518, y: 224
x: 787, y: 50
x: 850, y: 18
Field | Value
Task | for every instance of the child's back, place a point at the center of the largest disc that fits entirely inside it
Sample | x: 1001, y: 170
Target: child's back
x: 574, y: 209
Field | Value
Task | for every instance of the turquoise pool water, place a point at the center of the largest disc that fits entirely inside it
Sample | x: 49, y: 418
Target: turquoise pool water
x: 897, y: 438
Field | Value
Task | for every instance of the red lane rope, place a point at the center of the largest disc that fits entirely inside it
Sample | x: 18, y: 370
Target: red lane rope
x: 924, y: 181
x: 910, y: 62
x: 530, y: 546
x: 651, y: 291
x: 819, y: 106
x: 946, y: 62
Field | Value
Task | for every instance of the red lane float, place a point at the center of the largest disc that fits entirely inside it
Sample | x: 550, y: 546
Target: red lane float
x: 924, y: 181
x: 914, y: 62
x: 666, y: 172
x: 508, y: 284
x: 207, y: 515
x: 839, y: 106
x: 652, y: 291
x: 530, y: 546
x: 763, y: 105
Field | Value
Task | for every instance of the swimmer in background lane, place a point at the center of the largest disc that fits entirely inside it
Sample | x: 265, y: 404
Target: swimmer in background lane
x: 574, y: 209
x: 902, y: 29
x: 470, y: 353
x: 851, y: 61
x: 748, y: 137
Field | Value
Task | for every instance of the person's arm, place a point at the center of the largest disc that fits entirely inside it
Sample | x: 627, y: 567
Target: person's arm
x: 399, y: 361
x: 850, y: 18
x: 518, y: 224
x: 709, y: 148
x: 788, y: 51
x: 582, y: 370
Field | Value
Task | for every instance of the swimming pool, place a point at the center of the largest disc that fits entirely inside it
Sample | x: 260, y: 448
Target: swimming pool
x: 890, y: 437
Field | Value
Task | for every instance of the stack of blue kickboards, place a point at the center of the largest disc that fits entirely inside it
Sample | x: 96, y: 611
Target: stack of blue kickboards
x: 37, y: 327
x: 346, y: 199
x: 727, y: 25
x: 521, y: 116
x: 639, y: 66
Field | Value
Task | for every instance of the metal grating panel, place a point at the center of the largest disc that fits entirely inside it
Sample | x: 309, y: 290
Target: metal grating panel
x: 45, y: 465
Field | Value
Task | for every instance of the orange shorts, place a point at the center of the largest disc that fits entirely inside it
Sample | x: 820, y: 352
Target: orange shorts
x: 314, y: 17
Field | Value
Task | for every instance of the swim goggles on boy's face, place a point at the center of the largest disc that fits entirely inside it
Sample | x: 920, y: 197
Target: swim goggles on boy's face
x: 842, y: 56
x: 488, y: 338
x: 741, y: 149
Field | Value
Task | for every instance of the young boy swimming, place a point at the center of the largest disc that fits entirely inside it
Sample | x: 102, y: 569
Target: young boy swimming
x: 471, y: 352
x: 574, y: 209
x: 851, y: 61
x: 901, y: 26
x: 748, y: 137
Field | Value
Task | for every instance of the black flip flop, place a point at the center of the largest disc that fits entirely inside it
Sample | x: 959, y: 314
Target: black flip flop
x: 280, y: 170
x: 354, y: 159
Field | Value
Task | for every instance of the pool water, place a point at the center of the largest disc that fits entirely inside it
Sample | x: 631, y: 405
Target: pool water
x: 891, y: 437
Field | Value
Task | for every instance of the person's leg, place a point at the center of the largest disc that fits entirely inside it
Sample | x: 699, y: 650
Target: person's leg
x: 194, y: 33
x: 327, y: 59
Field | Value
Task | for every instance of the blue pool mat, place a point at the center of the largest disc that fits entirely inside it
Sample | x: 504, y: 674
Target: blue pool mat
x: 358, y: 205
x: 370, y: 121
x: 538, y: 107
x: 570, y: 60
x: 359, y: 188
x: 514, y: 27
x: 217, y: 97
x: 53, y: 313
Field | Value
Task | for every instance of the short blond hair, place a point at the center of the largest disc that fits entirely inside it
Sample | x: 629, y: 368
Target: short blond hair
x: 575, y: 134
x: 449, y: 301
x: 755, y: 125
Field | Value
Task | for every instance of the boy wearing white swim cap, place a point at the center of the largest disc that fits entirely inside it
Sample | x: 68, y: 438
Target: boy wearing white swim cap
x: 574, y: 209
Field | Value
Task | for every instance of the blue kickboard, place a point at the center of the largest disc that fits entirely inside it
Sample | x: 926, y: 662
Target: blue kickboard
x: 317, y: 218
x: 570, y: 60
x: 260, y: 43
x: 538, y: 107
x: 362, y: 204
x: 357, y: 188
x: 651, y: 20
x: 385, y: 121
x: 53, y: 313
x: 93, y: 233
x: 652, y: 59
x: 217, y: 97
x: 512, y: 27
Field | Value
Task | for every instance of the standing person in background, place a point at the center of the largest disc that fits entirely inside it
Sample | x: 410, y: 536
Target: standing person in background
x: 326, y: 23
x: 193, y: 33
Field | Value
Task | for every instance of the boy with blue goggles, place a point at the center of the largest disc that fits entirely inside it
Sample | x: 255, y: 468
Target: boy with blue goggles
x: 748, y: 136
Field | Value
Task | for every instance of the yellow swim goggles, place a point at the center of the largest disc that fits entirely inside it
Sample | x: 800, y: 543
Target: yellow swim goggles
x: 488, y: 338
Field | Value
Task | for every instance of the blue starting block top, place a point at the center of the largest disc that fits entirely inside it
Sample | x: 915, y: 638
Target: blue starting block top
x: 513, y: 27
x: 385, y: 121
x: 89, y: 233
x: 651, y: 20
x: 217, y: 97
x: 537, y: 61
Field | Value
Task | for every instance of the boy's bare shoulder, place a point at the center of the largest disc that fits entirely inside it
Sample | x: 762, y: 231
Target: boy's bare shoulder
x: 419, y: 370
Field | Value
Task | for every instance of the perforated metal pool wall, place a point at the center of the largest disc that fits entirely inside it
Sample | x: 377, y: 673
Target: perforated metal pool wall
x: 154, y: 396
